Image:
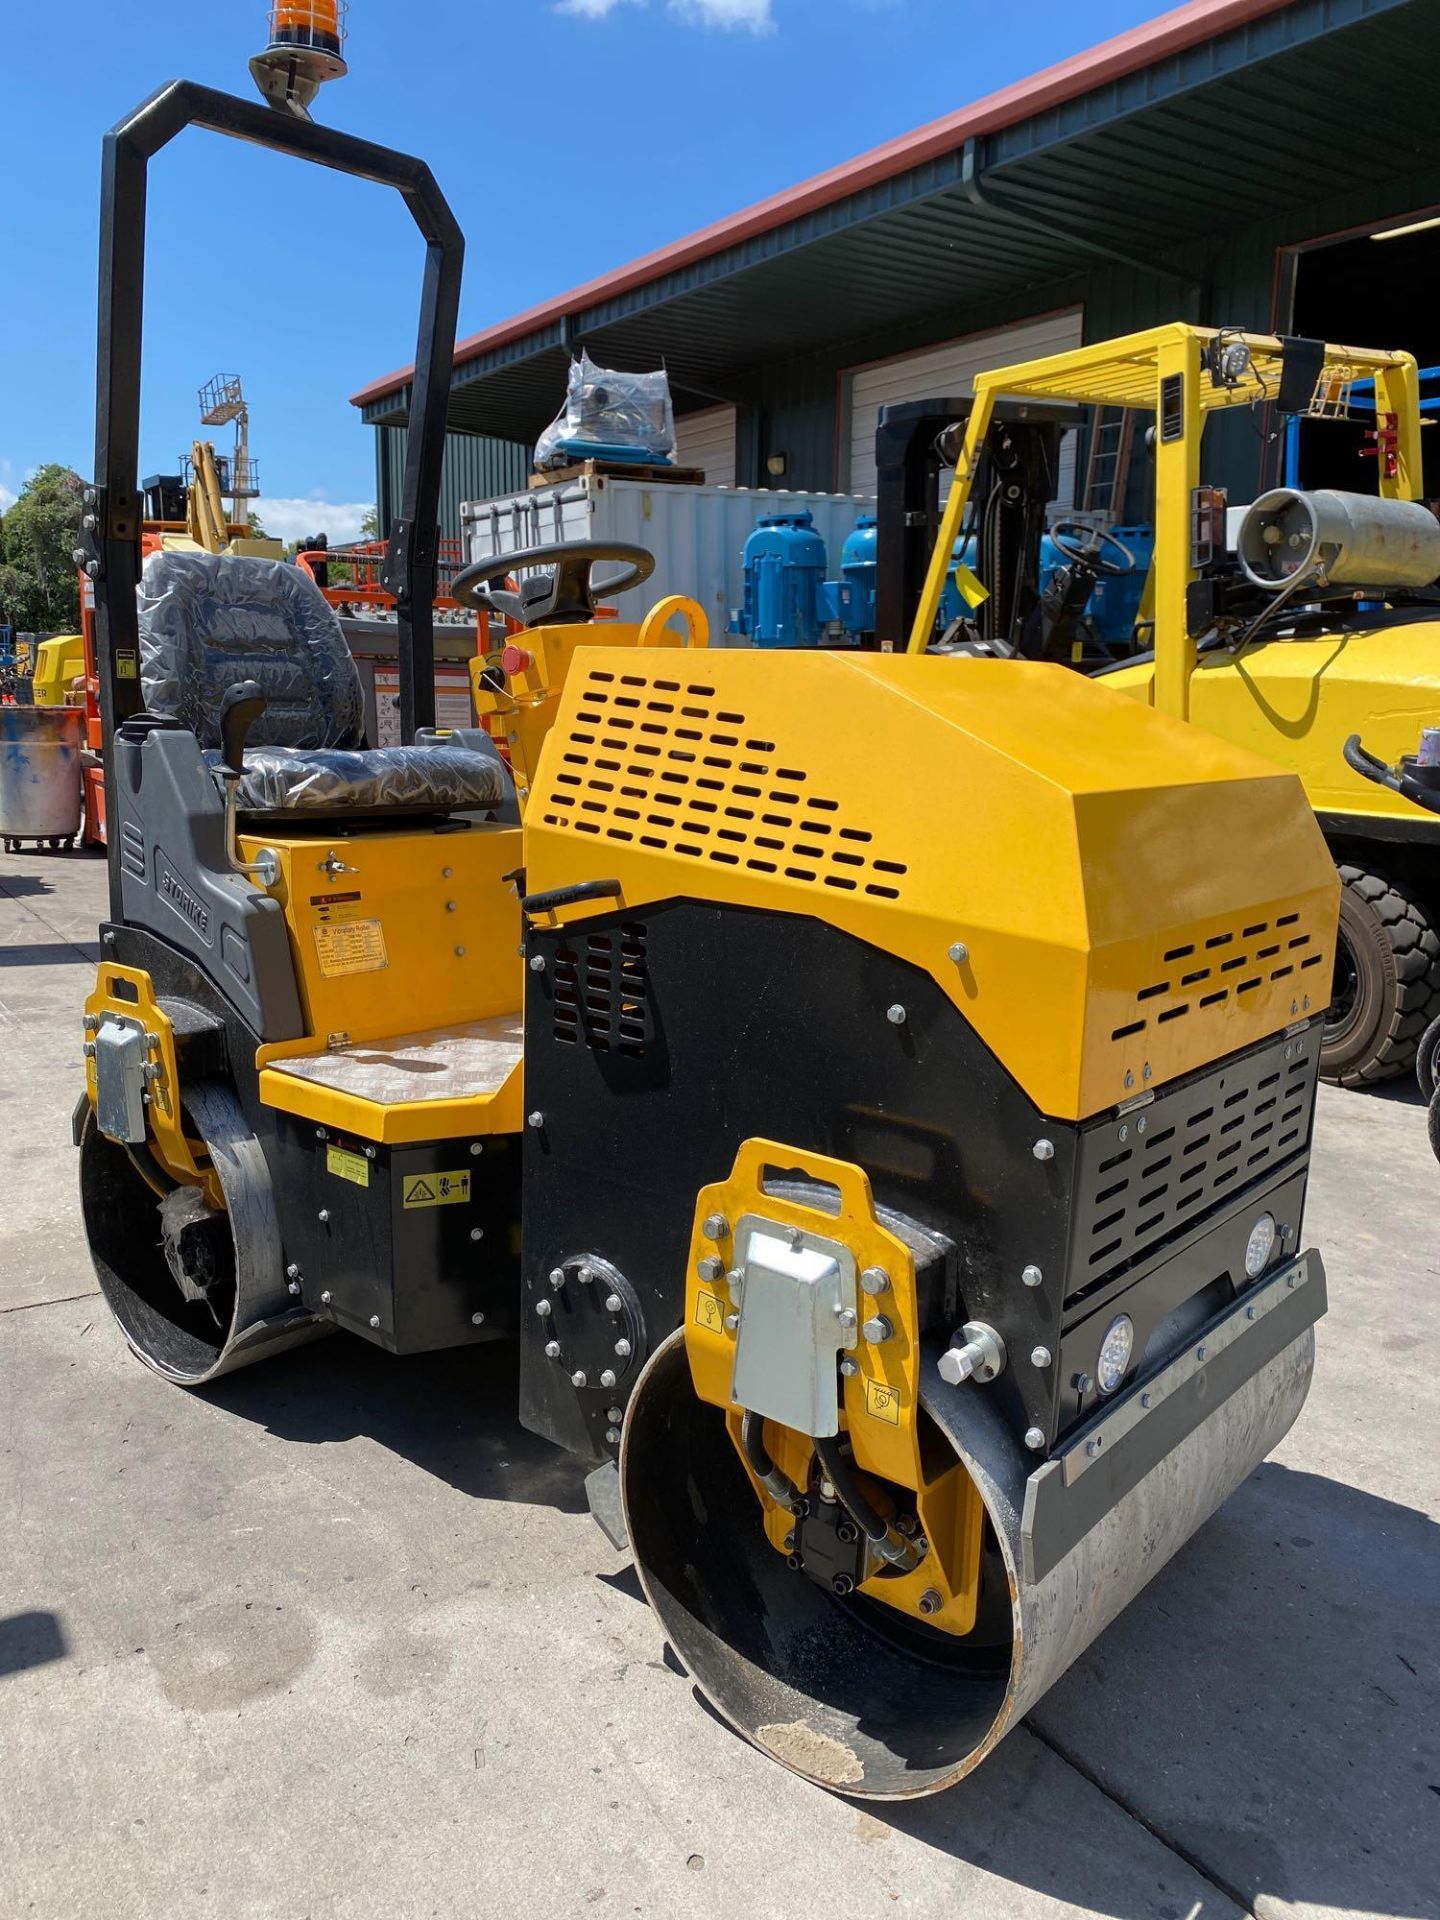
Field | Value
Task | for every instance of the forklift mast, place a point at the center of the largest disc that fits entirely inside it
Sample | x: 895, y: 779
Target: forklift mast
x: 916, y: 443
x: 112, y: 528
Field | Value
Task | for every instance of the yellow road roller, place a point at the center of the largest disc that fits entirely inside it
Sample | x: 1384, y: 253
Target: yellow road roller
x: 876, y: 1091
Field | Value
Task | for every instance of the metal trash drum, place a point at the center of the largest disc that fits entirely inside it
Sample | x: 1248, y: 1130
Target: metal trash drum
x: 40, y: 787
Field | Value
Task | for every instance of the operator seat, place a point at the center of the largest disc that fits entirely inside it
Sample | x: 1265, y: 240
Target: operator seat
x: 210, y: 621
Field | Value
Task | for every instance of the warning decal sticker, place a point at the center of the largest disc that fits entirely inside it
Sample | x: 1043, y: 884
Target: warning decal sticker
x: 882, y: 1402
x: 708, y: 1312
x: 350, y: 946
x: 353, y: 1167
x: 435, y: 1189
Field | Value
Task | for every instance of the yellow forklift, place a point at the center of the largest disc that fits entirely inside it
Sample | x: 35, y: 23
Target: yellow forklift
x: 875, y: 1091
x: 1313, y: 619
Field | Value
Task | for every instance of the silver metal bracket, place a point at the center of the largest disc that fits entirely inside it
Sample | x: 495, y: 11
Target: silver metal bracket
x: 122, y: 1053
x: 797, y: 1293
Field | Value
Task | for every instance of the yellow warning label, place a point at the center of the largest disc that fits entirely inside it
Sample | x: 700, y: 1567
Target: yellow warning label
x: 127, y: 666
x: 882, y: 1402
x: 435, y: 1189
x: 348, y: 1166
x: 353, y: 946
x: 709, y: 1313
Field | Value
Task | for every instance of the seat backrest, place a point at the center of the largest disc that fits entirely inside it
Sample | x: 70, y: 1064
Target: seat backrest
x: 208, y: 621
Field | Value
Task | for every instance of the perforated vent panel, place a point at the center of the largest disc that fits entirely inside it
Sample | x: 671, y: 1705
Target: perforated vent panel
x: 1204, y: 975
x: 657, y: 762
x: 1190, y: 1150
x: 602, y: 991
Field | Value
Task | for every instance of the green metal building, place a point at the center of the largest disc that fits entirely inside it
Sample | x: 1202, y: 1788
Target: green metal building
x: 1270, y: 164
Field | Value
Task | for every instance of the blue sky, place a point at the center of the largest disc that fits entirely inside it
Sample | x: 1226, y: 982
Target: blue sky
x: 569, y: 135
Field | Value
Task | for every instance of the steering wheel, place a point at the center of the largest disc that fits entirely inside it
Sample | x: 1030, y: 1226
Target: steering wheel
x: 564, y: 594
x: 1079, y: 542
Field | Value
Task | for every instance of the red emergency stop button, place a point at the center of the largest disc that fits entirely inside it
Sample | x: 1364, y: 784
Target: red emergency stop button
x: 516, y: 659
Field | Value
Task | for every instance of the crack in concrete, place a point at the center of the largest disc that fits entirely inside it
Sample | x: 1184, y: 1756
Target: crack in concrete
x: 64, y: 1299
x: 1192, y: 1860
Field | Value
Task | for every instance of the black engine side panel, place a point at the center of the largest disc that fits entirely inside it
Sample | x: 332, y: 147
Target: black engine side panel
x: 751, y: 1023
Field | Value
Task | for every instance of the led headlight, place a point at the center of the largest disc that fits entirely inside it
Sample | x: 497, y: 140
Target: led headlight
x: 1115, y: 1351
x: 1260, y: 1246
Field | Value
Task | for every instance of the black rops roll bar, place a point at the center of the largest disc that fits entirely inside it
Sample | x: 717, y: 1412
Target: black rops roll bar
x: 112, y: 531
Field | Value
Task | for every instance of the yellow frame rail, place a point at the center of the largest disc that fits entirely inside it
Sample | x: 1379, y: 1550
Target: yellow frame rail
x: 1131, y: 372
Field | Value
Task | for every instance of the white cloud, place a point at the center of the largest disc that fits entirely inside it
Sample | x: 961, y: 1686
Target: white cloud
x: 753, y: 16
x: 7, y: 498
x: 298, y: 519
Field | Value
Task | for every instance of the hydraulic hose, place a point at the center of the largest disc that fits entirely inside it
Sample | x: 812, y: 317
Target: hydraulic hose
x: 777, y: 1484
x: 887, y: 1541
x: 143, y: 1159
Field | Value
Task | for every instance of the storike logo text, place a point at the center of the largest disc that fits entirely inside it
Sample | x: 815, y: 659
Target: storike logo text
x: 171, y: 888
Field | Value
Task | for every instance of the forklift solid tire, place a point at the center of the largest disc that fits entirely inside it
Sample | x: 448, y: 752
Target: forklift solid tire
x: 1387, y: 981
x: 1427, y: 1060
x: 185, y: 1342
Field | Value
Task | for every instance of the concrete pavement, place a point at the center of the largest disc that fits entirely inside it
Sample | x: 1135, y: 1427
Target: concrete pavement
x: 337, y: 1638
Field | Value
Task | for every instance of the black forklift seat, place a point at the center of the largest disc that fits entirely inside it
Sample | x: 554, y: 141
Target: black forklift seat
x: 210, y: 621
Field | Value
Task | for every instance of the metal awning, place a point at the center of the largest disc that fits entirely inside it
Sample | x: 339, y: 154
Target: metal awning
x: 1213, y: 136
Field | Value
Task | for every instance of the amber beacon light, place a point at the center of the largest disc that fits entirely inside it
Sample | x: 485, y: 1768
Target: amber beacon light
x: 305, y: 49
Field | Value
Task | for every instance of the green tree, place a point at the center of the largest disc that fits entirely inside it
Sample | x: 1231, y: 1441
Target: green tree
x: 257, y: 532
x: 39, y: 592
x: 370, y: 524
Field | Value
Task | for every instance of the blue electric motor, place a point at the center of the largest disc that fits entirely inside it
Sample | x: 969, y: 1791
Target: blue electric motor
x: 785, y: 601
x: 1115, y: 603
x: 853, y: 594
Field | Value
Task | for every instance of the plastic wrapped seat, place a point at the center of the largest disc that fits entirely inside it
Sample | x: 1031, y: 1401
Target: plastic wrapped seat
x: 209, y: 621
x: 439, y: 779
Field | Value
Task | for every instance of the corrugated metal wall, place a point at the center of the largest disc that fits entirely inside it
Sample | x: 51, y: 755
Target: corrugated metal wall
x: 707, y: 441
x: 475, y: 469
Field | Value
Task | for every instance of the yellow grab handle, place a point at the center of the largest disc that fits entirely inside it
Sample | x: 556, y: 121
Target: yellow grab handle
x: 654, y: 627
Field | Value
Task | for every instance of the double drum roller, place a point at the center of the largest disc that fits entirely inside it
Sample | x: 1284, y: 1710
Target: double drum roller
x: 893, y: 1184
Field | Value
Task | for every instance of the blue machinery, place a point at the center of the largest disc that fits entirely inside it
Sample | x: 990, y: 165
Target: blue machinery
x: 790, y: 603
x: 786, y: 603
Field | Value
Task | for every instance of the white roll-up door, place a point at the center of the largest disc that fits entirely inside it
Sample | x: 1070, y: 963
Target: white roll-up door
x: 707, y: 440
x: 942, y: 372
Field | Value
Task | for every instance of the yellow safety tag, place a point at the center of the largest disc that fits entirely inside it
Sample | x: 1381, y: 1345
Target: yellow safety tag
x: 882, y: 1402
x: 353, y: 1167
x: 973, y: 590
x: 709, y: 1313
x: 435, y: 1189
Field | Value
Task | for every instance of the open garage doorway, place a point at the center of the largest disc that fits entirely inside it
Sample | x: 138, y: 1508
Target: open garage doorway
x: 1367, y: 290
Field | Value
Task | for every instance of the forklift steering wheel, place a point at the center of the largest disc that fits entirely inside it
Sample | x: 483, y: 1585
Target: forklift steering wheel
x: 1079, y: 542
x: 564, y: 594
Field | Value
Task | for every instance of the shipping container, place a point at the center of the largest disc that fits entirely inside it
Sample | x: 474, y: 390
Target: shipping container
x: 697, y: 534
